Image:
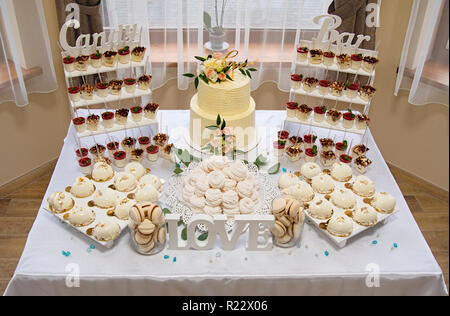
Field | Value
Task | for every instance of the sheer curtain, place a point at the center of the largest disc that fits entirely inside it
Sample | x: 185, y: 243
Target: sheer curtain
x: 263, y: 31
x: 26, y: 64
x: 424, y: 62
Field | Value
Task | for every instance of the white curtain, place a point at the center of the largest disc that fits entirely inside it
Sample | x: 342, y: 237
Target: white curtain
x: 424, y: 62
x: 26, y: 64
x: 264, y: 31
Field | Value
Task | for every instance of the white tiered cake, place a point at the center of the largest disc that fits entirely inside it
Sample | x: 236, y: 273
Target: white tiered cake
x: 232, y: 101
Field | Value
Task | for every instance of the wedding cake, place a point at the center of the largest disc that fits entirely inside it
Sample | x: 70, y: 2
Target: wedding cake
x: 223, y: 105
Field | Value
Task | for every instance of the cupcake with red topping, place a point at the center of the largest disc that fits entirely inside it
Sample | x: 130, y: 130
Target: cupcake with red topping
x: 144, y: 82
x: 324, y: 87
x: 81, y: 62
x: 341, y: 147
x: 344, y: 61
x: 87, y: 91
x: 108, y: 119
x: 74, y: 93
x: 315, y: 56
x: 311, y: 154
x: 109, y: 58
x: 92, y: 122
x: 302, y: 54
x: 144, y: 142
x: 348, y: 119
x: 294, y: 153
x: 362, y: 121
x: 85, y: 164
x: 96, y: 59
x: 130, y: 85
x: 112, y: 148
x: 152, y: 152
x: 278, y: 147
x: 291, y: 109
x: 80, y: 124
x: 309, y: 141
x: 333, y: 116
x: 328, y: 58
x: 69, y: 63
x: 356, y: 61
x: 124, y: 55
x: 120, y: 158
x: 296, y: 81
x: 327, y: 158
x: 82, y: 152
x: 102, y: 89
x: 303, y: 112
x: 136, y: 113
x: 319, y: 113
x: 150, y: 110
x: 369, y: 63
x: 352, y: 90
x: 345, y: 158
x: 137, y: 54
x: 310, y: 84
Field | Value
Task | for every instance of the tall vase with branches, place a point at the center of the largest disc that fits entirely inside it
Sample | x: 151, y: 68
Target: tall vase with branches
x: 216, y: 33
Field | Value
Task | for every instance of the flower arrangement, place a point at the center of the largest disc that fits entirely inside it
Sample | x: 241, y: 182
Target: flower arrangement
x: 223, y: 142
x: 216, y: 69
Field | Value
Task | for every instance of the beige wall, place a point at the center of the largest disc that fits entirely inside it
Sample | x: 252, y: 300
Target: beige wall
x: 401, y: 130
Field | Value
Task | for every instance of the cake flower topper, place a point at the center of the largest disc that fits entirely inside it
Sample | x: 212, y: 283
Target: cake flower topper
x: 216, y: 69
x: 223, y: 142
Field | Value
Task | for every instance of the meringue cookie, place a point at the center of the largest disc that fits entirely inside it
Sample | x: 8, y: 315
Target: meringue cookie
x: 125, y: 182
x: 105, y: 198
x: 146, y: 193
x: 310, y: 169
x: 341, y: 172
x: 213, y: 197
x: 212, y: 210
x: 188, y: 191
x: 301, y: 191
x: 230, y: 200
x: 102, y: 172
x: 322, y: 183
x: 384, y: 202
x: 287, y: 180
x: 217, y: 162
x: 216, y: 179
x: 246, y: 206
x: 106, y: 230
x: 80, y: 216
x: 152, y: 180
x: 231, y: 211
x: 123, y: 207
x: 202, y: 186
x: 136, y: 169
x: 197, y: 202
x: 238, y: 171
x: 82, y: 187
x: 245, y: 188
x: 229, y: 184
x: 343, y: 198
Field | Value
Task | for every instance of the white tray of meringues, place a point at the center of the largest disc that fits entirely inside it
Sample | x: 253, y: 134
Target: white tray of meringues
x: 343, y: 205
x: 99, y: 208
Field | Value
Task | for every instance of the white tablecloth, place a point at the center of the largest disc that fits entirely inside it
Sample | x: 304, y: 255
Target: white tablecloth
x: 315, y: 267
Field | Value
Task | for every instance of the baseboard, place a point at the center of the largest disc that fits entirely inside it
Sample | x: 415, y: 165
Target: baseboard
x: 17, y: 183
x: 437, y: 190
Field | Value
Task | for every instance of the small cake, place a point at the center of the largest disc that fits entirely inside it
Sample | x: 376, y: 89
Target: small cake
x: 136, y: 169
x: 310, y: 84
x: 309, y: 140
x: 365, y: 216
x: 309, y: 170
x: 80, y: 216
x: 82, y: 187
x: 296, y: 81
x: 303, y: 112
x: 124, y: 182
x: 367, y: 92
x: 320, y: 209
x: 316, y: 56
x: 363, y: 186
x: 319, y: 113
x: 384, y: 203
x: 144, y: 82
x: 109, y: 58
x: 137, y: 155
x: 340, y: 226
x: 302, y: 191
x: 112, y: 148
x: 128, y: 144
x: 81, y: 63
x: 97, y: 150
x: 124, y: 55
x: 152, y: 180
x: 360, y: 150
x: 87, y: 91
x: 146, y: 193
x: 136, y: 113
x: 333, y: 116
x: 102, y: 89
x: 167, y: 152
x: 120, y: 158
x: 278, y: 147
x: 137, y: 54
x: 294, y: 152
x: 311, y: 154
x: 152, y: 152
x: 60, y: 202
x: 337, y: 88
x: 108, y: 119
x: 82, y: 152
x: 344, y: 61
x: 369, y: 63
x: 74, y: 93
x: 362, y: 121
x: 327, y: 144
x: 324, y: 87
x: 106, y: 230
x: 356, y: 61
x: 352, y: 90
x: 346, y: 159
x: 160, y: 139
x: 341, y: 147
x: 291, y: 109
x: 327, y: 158
x: 105, y: 198
x: 302, y: 54
x: 362, y: 163
x: 296, y: 140
x: 102, y: 172
x: 348, y: 120
x: 115, y: 86
x: 322, y: 184
x: 144, y: 142
x: 343, y: 198
x: 130, y: 85
x: 287, y: 180
x: 283, y: 136
x: 85, y: 165
x: 80, y: 124
x: 96, y: 59
x: 150, y: 110
x: 122, y: 116
x: 92, y: 122
x: 69, y: 63
x: 123, y: 207
x: 328, y: 58
x: 341, y: 172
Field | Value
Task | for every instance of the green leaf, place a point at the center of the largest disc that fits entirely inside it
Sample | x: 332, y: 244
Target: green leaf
x: 218, y: 120
x: 242, y: 71
x: 204, y: 78
x: 245, y: 161
x: 239, y: 152
x: 200, y: 58
x: 207, y: 147
x: 178, y: 170
x: 207, y: 20
x: 261, y: 159
x: 196, y: 82
x: 184, y: 233
x: 189, y: 75
x: 209, y: 56
x: 224, y: 124
x: 212, y: 127
x: 274, y: 169
x: 180, y: 222
x: 252, y: 69
x: 203, y: 236
x: 248, y: 74
x: 229, y: 78
x: 166, y: 211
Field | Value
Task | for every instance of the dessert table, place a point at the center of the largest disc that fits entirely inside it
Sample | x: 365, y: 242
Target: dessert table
x: 389, y: 259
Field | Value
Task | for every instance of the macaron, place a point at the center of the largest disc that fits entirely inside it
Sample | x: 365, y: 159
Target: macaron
x: 137, y: 214
x: 146, y: 227
x: 157, y: 216
x: 147, y: 247
x: 284, y: 220
x: 162, y: 235
x: 278, y: 229
x: 142, y: 239
x: 284, y: 239
x: 278, y: 205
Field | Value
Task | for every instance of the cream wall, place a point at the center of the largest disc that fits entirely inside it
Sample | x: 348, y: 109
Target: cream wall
x: 34, y: 134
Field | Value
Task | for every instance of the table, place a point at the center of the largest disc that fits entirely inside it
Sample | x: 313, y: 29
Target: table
x: 315, y: 267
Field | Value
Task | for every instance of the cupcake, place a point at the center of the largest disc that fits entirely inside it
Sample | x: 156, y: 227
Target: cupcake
x: 144, y: 142
x: 69, y: 63
x: 369, y: 63
x: 122, y: 116
x: 137, y: 155
x: 362, y: 121
x: 136, y: 169
x: 102, y: 172
x: 87, y: 91
x: 167, y: 152
x: 324, y: 87
x: 294, y: 153
x: 123, y: 207
x: 310, y: 84
x: 337, y: 88
x: 302, y: 54
x: 352, y: 90
x: 96, y: 59
x: 115, y: 86
x: 383, y: 203
x: 315, y: 56
x: 137, y: 54
x: 356, y: 61
x: 109, y: 58
x: 344, y: 61
x: 80, y: 124
x: 74, y: 93
x: 92, y: 122
x: 319, y: 113
x: 363, y: 186
x: 303, y: 112
x: 360, y: 150
x: 60, y: 202
x: 341, y: 147
x: 327, y: 144
x: 328, y: 58
x: 160, y: 139
x: 296, y: 81
x: 136, y: 113
x: 327, y: 158
x: 128, y: 144
x: 322, y: 184
x: 340, y: 226
x: 85, y: 165
x: 144, y: 82
x: 152, y: 152
x: 97, y: 150
x: 341, y: 172
x: 291, y: 109
x: 365, y: 216
x: 112, y: 148
x: 80, y: 216
x: 366, y: 93
x: 362, y: 163
x: 348, y: 120
x: 130, y: 85
x: 287, y: 180
x: 309, y: 170
x: 102, y: 89
x: 108, y: 119
x: 125, y: 182
x: 309, y: 140
x: 82, y: 188
x: 311, y: 154
x: 120, y: 158
x: 81, y: 63
x: 150, y: 110
x: 343, y: 198
x: 124, y: 55
x: 106, y: 230
x: 333, y: 116
x: 320, y: 209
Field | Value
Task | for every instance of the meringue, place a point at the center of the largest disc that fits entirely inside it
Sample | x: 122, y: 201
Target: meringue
x: 102, y: 172
x: 136, y: 169
x: 123, y: 207
x: 310, y: 169
x: 341, y: 172
x: 146, y: 193
x: 246, y: 206
x: 323, y: 184
x: 81, y: 216
x: 320, y: 209
x: 343, y: 198
x: 363, y: 186
x: 106, y: 230
x: 230, y: 199
x: 216, y: 179
x: 212, y: 210
x: 187, y: 192
x: 245, y: 189
x: 287, y: 180
x: 384, y: 202
x: 197, y: 202
x: 229, y: 184
x: 340, y: 226
x: 238, y: 171
x: 105, y: 198
x: 201, y: 186
x: 125, y: 182
x: 217, y: 162
x: 82, y: 187
x: 213, y: 197
x: 365, y: 216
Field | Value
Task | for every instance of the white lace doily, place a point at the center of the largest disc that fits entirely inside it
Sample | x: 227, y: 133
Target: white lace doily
x: 267, y: 193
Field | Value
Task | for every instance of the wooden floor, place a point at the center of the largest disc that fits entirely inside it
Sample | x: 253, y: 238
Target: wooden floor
x: 18, y: 211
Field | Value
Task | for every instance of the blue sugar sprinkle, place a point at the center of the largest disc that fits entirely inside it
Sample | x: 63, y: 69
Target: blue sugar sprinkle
x: 326, y: 253
x: 66, y: 254
x: 395, y: 245
x: 92, y: 246
x: 284, y: 170
x: 374, y: 242
x: 166, y: 257
x: 174, y: 259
